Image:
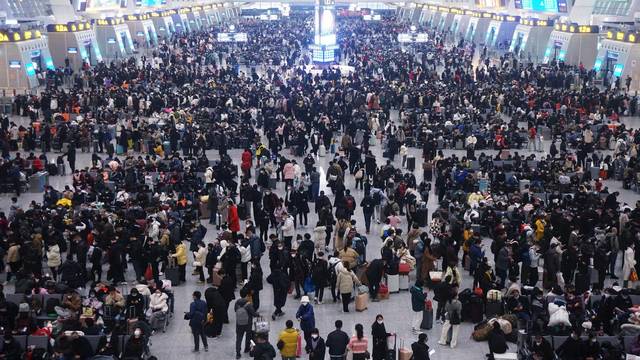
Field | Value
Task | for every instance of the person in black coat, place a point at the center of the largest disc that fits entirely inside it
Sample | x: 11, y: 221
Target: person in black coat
x: 262, y: 349
x: 320, y: 276
x: 379, y: 336
x: 497, y: 341
x: 316, y: 347
x: 374, y: 273
x: 217, y: 304
x: 541, y: 348
x: 420, y: 348
x: 571, y: 349
x: 337, y: 341
x: 280, y: 282
x: 255, y: 282
x: 227, y: 290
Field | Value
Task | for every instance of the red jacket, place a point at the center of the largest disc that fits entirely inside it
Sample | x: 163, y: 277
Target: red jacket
x: 246, y: 160
x: 233, y: 219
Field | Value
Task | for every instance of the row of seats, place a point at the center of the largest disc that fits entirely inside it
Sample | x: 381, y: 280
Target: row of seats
x: 43, y: 342
x: 626, y: 341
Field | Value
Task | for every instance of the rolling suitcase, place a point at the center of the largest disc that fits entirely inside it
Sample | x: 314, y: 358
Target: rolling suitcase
x: 362, y: 301
x: 427, y: 316
x: 404, y: 353
x: 393, y: 283
x: 392, y: 347
x: 476, y: 306
x: 322, y: 150
x: 493, y: 309
x: 404, y: 282
x: 171, y: 273
x: 273, y: 183
x: 411, y: 163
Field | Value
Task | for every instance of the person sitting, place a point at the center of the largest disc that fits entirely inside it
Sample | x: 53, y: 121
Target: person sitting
x: 518, y: 305
x: 135, y: 346
x: 591, y: 348
x: 571, y: 349
x: 541, y: 349
x: 635, y: 347
x: 135, y: 304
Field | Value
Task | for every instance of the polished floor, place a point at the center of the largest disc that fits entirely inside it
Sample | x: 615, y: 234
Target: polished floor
x: 177, y: 342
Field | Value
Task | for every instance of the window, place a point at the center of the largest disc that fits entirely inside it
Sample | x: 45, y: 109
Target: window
x: 24, y: 9
x: 612, y: 7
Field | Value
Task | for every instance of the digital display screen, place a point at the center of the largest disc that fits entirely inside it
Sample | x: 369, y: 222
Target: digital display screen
x: 14, y: 64
x: 617, y: 70
x: 72, y: 50
x: 542, y: 5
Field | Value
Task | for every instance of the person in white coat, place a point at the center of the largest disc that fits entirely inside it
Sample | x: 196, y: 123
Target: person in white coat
x: 200, y: 257
x: 629, y: 264
x: 53, y: 260
x: 157, y: 306
x: 288, y: 230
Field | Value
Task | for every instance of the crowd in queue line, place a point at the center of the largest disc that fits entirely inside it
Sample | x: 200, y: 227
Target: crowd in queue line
x: 149, y: 121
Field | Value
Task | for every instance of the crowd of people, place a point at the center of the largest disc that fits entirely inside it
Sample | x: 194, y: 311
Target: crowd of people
x: 150, y: 122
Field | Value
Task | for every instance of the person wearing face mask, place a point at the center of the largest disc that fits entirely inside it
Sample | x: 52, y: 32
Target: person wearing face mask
x: 316, y: 346
x: 306, y: 317
x: 196, y: 316
x: 541, y: 349
x: 280, y: 282
x: 135, y: 346
x: 379, y: 337
x: 571, y: 349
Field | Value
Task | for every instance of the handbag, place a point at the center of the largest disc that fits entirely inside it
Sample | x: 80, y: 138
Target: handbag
x: 197, y: 263
x: 148, y: 273
x: 633, y: 276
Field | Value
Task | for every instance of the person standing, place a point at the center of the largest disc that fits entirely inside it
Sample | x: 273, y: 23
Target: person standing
x: 196, y: 316
x: 420, y: 348
x: 379, y: 337
x: 345, y: 281
x: 359, y: 344
x: 280, y: 282
x: 629, y: 264
x: 316, y: 348
x: 262, y: 350
x: 417, y: 304
x: 288, y: 342
x: 244, y: 316
x: 453, y: 318
x: 337, y: 342
x: 181, y: 260
x: 306, y: 318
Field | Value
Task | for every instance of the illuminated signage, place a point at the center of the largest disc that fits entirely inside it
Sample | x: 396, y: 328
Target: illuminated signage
x: 577, y: 29
x: 443, y: 9
x: 72, y: 50
x: 69, y: 27
x: 136, y: 17
x: 631, y: 37
x: 110, y: 21
x: 17, y: 36
x: 14, y: 64
x: 457, y: 11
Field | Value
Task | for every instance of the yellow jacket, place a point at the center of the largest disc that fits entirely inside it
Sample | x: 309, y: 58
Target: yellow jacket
x: 540, y: 224
x: 290, y: 339
x: 181, y: 254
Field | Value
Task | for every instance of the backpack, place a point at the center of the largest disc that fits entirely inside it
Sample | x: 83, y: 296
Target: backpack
x: 350, y: 203
x: 454, y: 318
x: 359, y: 246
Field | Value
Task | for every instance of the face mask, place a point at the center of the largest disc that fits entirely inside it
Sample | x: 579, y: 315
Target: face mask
x: 293, y: 255
x: 137, y: 333
x: 280, y: 248
x: 314, y: 336
x: 379, y: 321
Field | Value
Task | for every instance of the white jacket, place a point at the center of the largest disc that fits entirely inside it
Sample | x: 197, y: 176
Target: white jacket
x: 288, y: 228
x: 201, y: 255
x: 208, y: 175
x: 245, y: 253
x: 158, y: 302
x: 629, y: 263
x: 53, y: 256
x: 154, y: 230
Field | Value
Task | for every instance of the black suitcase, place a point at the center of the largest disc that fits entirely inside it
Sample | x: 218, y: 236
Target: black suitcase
x: 427, y: 319
x: 411, y: 163
x: 493, y: 309
x: 476, y: 306
x: 52, y: 169
x: 173, y: 275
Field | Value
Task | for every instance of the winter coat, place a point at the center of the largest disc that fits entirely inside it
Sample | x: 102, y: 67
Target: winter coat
x: 417, y: 298
x: 629, y: 263
x: 233, y: 218
x: 197, y: 314
x: 288, y: 228
x: 290, y: 339
x: 346, y: 280
x: 307, y: 318
x: 289, y: 171
x: 181, y: 254
x: 53, y: 256
x: 158, y: 302
x: 244, y: 312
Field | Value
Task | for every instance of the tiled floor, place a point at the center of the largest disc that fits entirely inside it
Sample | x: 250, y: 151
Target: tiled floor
x: 176, y: 343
